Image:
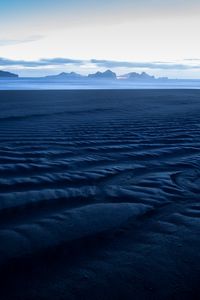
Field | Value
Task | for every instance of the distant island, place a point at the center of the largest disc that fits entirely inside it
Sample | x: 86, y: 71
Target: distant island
x: 103, y: 75
x: 137, y: 76
x: 4, y: 74
x: 108, y: 75
x: 98, y: 80
x: 63, y: 75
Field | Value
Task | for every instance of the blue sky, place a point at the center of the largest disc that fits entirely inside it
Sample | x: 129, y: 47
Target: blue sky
x: 159, y: 37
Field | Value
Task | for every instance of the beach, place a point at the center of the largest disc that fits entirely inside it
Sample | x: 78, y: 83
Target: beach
x: 99, y: 194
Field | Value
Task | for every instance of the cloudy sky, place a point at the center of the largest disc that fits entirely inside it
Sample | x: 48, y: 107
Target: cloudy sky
x: 40, y: 37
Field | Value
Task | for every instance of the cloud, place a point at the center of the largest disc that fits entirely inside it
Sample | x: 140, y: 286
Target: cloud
x: 39, y: 63
x: 192, y: 59
x: 8, y: 42
x: 61, y: 61
x: 109, y: 64
x: 148, y: 65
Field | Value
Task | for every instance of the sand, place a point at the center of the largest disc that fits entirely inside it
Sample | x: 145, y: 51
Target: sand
x: 99, y: 194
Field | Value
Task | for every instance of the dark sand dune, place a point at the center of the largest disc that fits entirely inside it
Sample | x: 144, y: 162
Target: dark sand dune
x: 99, y: 195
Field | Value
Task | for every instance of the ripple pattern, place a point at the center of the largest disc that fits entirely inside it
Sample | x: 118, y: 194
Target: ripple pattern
x: 74, y: 164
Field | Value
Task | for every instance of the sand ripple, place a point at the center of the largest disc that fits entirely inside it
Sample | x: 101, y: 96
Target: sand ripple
x: 112, y: 175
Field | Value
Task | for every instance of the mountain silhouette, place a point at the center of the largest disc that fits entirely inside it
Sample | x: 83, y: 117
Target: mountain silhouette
x: 103, y: 75
x: 63, y: 75
x: 4, y: 74
x: 136, y: 76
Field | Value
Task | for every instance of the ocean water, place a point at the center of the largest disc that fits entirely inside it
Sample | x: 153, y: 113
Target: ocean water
x: 99, y: 194
x: 27, y: 83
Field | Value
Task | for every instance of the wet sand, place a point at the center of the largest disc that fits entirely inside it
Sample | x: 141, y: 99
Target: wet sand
x: 99, y: 194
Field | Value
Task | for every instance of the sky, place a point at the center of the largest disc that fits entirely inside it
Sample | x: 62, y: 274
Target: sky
x: 43, y: 37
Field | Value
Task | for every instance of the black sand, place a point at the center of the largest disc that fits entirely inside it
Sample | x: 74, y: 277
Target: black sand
x: 99, y: 195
